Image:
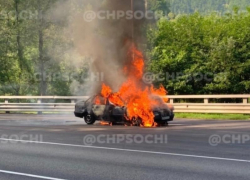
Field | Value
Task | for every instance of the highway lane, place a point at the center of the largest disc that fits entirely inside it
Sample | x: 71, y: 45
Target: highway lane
x: 68, y: 158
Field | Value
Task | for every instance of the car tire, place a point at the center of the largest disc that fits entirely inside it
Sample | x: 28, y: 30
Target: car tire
x: 136, y: 121
x: 89, y: 119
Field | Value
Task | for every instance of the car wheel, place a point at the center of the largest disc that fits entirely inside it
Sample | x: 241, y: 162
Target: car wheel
x: 89, y: 119
x: 171, y: 118
x: 136, y: 121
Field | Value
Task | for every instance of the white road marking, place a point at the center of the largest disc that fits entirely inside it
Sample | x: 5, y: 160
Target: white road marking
x: 29, y: 175
x: 129, y: 150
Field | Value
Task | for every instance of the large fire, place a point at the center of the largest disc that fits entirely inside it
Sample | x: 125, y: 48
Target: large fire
x: 133, y: 93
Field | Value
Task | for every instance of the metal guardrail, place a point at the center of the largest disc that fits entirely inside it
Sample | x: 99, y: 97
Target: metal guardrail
x: 38, y: 106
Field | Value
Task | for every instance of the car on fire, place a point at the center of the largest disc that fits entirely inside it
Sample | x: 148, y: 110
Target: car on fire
x: 98, y: 108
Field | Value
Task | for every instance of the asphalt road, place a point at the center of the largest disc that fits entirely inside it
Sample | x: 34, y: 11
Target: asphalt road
x: 56, y: 147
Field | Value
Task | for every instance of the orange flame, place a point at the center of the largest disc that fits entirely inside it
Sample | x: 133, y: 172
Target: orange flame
x: 105, y: 123
x: 97, y: 100
x: 135, y: 94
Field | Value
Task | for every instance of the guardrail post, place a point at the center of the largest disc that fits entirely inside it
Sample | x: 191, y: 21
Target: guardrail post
x: 6, y: 101
x: 39, y: 101
x: 206, y: 101
x: 244, y: 101
x: 73, y: 101
x: 171, y: 101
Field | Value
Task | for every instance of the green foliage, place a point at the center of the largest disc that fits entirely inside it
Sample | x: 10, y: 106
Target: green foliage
x: 213, y: 116
x: 207, y: 6
x: 160, y: 6
x: 214, y: 47
x: 32, y: 44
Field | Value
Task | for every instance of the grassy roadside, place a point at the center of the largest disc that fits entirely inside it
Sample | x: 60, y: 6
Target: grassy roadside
x: 213, y: 116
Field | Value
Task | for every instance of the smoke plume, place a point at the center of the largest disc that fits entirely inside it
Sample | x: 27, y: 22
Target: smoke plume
x: 103, y: 43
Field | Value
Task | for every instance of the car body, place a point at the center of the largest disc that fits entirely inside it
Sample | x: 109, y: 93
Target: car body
x: 104, y: 110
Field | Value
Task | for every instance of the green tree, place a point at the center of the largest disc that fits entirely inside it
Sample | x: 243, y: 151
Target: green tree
x: 215, y: 47
x: 160, y: 6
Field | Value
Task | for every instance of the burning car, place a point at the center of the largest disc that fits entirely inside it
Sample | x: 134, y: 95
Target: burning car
x: 99, y: 108
x: 133, y: 100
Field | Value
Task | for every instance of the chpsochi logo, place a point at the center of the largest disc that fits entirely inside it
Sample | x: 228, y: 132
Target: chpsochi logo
x: 149, y: 78
x: 89, y: 16
x: 214, y: 140
x: 89, y: 140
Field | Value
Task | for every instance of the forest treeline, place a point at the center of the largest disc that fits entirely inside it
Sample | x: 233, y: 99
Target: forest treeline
x: 207, y: 6
x: 196, y: 54
x: 181, y: 47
